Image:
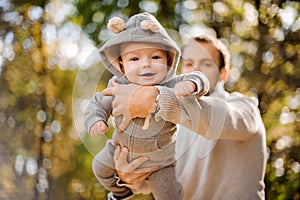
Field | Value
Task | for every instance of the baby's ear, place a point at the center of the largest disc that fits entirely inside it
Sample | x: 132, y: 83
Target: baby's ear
x: 171, y: 58
x: 121, y: 66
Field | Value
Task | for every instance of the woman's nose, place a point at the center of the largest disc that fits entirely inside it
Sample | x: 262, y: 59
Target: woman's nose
x: 198, y: 67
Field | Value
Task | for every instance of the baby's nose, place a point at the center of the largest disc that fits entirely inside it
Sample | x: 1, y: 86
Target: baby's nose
x: 146, y: 63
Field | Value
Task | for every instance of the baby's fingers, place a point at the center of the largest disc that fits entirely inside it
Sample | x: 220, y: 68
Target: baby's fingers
x: 96, y: 130
x: 109, y: 91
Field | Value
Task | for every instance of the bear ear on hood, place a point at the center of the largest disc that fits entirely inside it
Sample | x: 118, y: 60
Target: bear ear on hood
x: 150, y: 25
x: 116, y: 25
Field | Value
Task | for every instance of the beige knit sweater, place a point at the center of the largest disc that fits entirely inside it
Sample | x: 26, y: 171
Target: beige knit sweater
x: 226, y: 160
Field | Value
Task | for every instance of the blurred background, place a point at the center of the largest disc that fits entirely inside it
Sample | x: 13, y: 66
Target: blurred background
x: 45, y: 67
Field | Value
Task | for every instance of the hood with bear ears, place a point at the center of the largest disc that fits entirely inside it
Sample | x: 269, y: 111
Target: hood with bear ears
x: 142, y: 27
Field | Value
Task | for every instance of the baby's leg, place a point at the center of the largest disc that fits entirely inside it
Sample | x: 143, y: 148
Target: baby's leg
x: 106, y: 174
x: 164, y: 184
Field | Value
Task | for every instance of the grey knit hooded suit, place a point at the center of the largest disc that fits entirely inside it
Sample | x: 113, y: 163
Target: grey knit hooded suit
x: 158, y: 141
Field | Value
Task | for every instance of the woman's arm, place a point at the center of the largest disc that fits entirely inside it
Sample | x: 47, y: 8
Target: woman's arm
x: 234, y: 117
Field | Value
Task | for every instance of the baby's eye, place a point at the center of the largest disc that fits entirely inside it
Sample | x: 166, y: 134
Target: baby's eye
x: 134, y: 59
x: 156, y: 57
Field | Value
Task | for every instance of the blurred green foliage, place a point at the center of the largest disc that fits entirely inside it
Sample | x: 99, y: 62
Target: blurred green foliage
x: 41, y: 154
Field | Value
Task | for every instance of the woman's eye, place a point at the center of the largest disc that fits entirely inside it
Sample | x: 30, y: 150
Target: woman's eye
x: 208, y: 64
x: 188, y: 64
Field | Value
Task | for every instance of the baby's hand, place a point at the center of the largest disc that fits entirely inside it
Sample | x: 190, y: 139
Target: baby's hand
x: 184, y: 88
x: 98, y: 128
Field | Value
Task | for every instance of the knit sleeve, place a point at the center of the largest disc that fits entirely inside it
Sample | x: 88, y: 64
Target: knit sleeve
x: 233, y: 118
x: 242, y: 118
x: 169, y: 106
x: 98, y: 109
x: 198, y: 78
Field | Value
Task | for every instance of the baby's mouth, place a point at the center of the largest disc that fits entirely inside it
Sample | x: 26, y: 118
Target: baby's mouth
x: 148, y: 74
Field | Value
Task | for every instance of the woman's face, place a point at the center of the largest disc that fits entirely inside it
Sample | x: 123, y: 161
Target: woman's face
x: 204, y: 57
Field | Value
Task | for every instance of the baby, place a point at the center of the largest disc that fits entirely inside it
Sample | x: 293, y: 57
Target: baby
x: 142, y: 53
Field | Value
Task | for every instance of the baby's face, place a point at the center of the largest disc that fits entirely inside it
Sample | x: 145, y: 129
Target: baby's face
x: 144, y: 63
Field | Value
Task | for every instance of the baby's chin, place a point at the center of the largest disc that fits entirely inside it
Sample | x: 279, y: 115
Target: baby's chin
x: 146, y: 83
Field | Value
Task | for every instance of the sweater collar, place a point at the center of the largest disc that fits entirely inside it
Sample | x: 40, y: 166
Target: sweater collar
x: 219, y: 91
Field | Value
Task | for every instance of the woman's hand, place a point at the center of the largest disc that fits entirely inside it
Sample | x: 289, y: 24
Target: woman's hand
x: 131, y: 101
x: 130, y: 172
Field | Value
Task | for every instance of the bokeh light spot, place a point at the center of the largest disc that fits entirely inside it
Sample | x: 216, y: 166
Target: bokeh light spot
x: 47, y: 136
x: 55, y: 126
x: 19, y: 164
x: 41, y: 116
x: 35, y: 13
x: 149, y: 6
x: 31, y: 166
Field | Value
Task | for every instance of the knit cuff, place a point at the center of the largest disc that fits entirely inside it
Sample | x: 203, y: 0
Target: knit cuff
x: 201, y: 81
x: 169, y: 106
x: 111, y: 196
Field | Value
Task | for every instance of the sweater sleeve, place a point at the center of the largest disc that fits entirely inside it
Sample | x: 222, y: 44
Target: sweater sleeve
x: 242, y: 117
x: 198, y: 78
x: 98, y: 109
x: 236, y: 117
